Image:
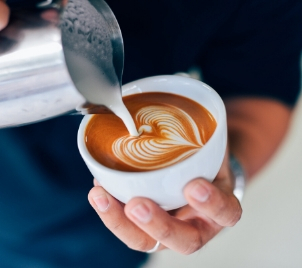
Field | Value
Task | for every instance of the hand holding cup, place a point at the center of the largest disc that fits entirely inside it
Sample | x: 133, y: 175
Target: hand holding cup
x: 141, y: 224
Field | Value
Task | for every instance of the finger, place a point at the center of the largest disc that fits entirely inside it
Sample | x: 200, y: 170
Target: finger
x: 222, y: 207
x: 184, y: 237
x: 4, y: 14
x: 96, y: 183
x: 111, y: 212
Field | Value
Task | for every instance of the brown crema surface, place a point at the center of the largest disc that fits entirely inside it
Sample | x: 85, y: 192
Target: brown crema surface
x: 173, y: 128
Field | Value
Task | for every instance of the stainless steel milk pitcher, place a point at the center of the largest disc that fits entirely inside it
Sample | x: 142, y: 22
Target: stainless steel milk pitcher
x: 57, y: 57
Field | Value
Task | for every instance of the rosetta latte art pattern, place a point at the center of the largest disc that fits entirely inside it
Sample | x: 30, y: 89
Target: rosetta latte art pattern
x: 168, y: 135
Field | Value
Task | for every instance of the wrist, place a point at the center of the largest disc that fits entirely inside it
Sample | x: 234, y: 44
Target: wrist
x: 239, y: 177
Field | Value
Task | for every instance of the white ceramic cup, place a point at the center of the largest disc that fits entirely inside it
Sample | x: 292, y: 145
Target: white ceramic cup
x: 165, y: 186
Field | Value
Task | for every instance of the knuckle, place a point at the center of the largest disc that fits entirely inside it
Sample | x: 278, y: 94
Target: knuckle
x: 194, y: 245
x: 140, y: 245
x: 115, y: 226
x: 220, y: 208
x: 236, y: 215
x: 164, y: 233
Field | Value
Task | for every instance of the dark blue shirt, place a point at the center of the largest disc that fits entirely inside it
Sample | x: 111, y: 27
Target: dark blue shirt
x: 244, y: 48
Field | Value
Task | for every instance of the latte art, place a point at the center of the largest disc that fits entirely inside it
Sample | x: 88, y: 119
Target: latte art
x: 172, y: 128
x: 167, y: 133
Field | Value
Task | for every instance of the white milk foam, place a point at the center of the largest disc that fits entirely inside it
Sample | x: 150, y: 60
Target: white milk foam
x: 164, y: 140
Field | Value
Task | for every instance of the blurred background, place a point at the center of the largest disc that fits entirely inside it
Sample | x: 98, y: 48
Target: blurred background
x: 269, y: 234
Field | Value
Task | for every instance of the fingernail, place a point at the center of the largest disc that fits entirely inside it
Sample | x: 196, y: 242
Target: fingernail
x: 200, y: 193
x: 102, y: 202
x: 141, y: 213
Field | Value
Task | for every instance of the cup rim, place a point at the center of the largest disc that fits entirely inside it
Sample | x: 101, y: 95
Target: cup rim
x: 220, y: 122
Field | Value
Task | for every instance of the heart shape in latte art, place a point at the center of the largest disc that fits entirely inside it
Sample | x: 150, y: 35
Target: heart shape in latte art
x: 168, y: 135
